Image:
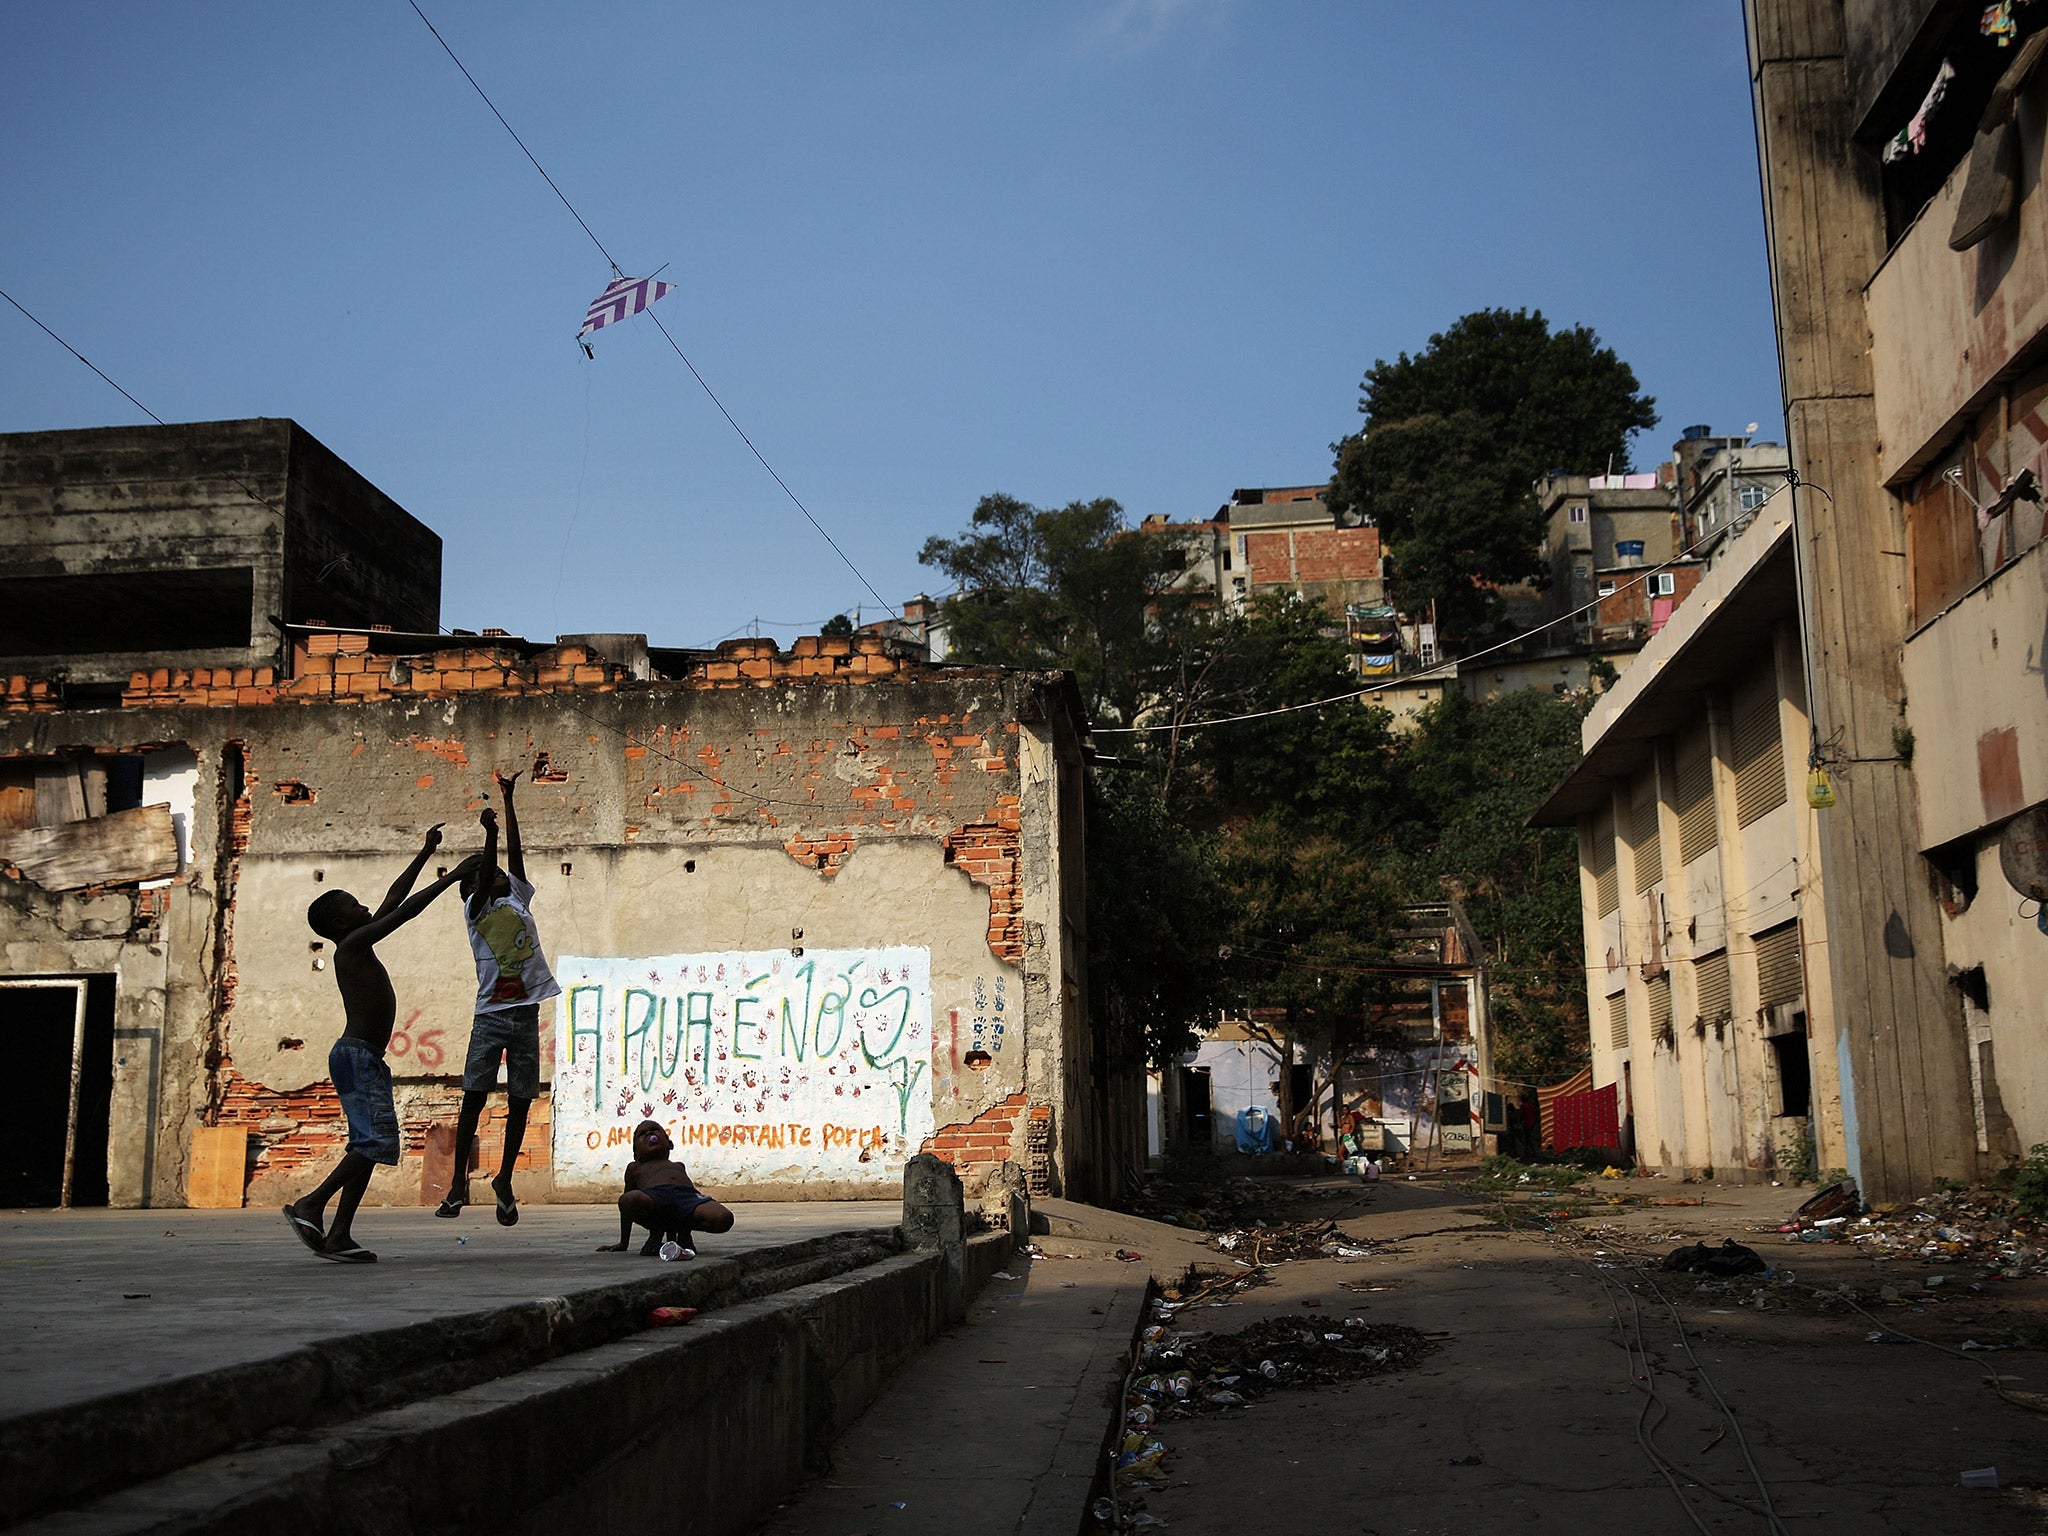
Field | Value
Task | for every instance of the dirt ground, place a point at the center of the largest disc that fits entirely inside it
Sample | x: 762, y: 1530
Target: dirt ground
x: 1555, y: 1381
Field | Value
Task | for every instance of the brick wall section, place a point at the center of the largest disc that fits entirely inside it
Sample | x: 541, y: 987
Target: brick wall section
x: 824, y: 854
x: 1320, y: 554
x: 987, y: 1141
x: 21, y: 695
x: 338, y: 664
x: 988, y: 851
x: 299, y: 1136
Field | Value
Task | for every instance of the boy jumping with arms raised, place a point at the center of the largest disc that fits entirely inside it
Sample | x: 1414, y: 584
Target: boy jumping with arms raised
x: 356, y: 1063
x: 513, y: 980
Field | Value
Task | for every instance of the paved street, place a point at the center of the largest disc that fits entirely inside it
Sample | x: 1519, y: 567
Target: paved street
x: 1526, y: 1418
x: 99, y: 1301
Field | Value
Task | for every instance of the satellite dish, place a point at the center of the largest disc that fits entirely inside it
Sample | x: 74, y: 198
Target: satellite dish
x: 1752, y: 429
x: 2023, y: 854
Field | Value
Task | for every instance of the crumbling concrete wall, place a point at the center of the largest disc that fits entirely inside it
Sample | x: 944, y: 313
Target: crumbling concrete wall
x: 836, y: 797
x: 139, y: 546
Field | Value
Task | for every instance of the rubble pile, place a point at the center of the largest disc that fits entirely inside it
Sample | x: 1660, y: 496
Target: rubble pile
x: 1979, y: 1228
x: 1277, y: 1242
x: 1184, y: 1374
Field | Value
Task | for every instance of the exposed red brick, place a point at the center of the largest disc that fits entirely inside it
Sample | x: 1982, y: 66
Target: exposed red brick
x: 989, y: 852
x: 986, y: 1141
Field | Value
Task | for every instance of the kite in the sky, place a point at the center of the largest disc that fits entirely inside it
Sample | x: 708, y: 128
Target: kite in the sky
x: 626, y: 297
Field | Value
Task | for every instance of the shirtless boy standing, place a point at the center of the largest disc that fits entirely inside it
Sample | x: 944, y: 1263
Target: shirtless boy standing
x: 356, y: 1063
x: 660, y: 1197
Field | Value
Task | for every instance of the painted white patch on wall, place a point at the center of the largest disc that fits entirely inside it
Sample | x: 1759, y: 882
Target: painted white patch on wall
x: 171, y: 778
x: 762, y: 1065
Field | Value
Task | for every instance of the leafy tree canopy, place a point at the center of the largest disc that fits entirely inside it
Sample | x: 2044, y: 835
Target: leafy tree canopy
x: 1456, y: 436
x: 1070, y: 587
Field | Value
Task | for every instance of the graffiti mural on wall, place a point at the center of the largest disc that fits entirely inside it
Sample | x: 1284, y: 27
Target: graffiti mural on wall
x: 761, y: 1064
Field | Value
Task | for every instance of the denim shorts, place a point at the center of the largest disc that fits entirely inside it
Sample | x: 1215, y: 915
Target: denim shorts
x: 364, y: 1083
x: 513, y: 1033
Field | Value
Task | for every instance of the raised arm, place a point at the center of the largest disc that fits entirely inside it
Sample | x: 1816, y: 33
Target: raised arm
x: 384, y: 922
x: 515, y: 859
x: 402, y: 886
x: 486, y: 862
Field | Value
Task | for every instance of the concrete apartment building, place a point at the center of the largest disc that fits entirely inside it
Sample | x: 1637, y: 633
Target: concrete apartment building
x: 1700, y: 888
x: 1276, y: 539
x: 1908, y: 239
x: 1722, y: 483
x: 819, y: 908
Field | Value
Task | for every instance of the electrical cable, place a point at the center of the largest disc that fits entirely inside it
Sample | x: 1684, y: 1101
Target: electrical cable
x: 36, y: 321
x: 1450, y: 666
x: 544, y: 176
x: 1646, y: 1430
x: 694, y: 373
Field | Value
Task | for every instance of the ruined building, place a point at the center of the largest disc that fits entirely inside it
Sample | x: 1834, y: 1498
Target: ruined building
x: 1901, y: 145
x: 815, y: 909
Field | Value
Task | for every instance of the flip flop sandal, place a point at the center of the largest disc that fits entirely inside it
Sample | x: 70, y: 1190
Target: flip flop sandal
x: 348, y: 1256
x: 508, y: 1210
x: 307, y: 1232
x: 450, y: 1207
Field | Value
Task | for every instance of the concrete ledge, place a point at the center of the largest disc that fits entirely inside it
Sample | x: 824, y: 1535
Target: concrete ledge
x: 56, y: 1458
x: 709, y: 1425
x: 987, y: 1254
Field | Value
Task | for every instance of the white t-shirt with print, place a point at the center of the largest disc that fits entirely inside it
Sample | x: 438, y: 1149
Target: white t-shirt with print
x: 511, y: 971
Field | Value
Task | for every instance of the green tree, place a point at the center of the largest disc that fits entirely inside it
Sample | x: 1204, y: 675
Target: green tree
x: 1474, y: 771
x: 1455, y: 438
x: 1071, y: 587
x: 1309, y: 916
x: 838, y: 624
x: 1158, y: 916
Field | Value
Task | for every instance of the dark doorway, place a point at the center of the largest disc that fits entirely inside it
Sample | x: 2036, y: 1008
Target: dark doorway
x: 1194, y: 1097
x: 40, y: 1027
x: 1795, y: 1076
x: 1301, y: 1090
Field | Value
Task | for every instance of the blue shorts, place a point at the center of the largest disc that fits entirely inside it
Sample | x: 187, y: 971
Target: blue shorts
x: 363, y: 1082
x: 513, y: 1033
x: 676, y: 1205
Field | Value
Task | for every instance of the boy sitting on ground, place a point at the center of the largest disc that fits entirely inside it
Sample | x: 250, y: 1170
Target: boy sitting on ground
x: 660, y: 1197
x: 356, y: 1063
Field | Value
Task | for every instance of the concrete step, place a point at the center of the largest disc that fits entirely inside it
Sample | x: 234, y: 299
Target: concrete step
x: 697, y: 1428
x: 64, y: 1456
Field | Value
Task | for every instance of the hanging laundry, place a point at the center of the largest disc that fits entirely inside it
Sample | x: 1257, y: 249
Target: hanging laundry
x: 1916, y: 130
x: 1997, y: 22
x: 624, y: 298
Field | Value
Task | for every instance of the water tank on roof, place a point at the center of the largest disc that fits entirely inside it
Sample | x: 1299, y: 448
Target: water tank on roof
x: 1628, y: 551
x: 1693, y: 434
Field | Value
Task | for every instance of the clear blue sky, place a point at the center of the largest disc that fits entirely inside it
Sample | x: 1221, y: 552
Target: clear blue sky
x: 1133, y: 248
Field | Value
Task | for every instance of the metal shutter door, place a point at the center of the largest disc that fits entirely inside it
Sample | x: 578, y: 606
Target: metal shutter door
x: 1715, y: 1004
x: 1698, y: 828
x: 1759, y: 756
x: 1660, y: 1009
x: 1606, y: 884
x: 1647, y: 839
x: 1778, y: 978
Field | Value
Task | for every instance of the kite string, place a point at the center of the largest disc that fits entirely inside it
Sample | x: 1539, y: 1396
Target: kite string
x: 544, y: 176
x: 562, y: 564
x: 887, y: 607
